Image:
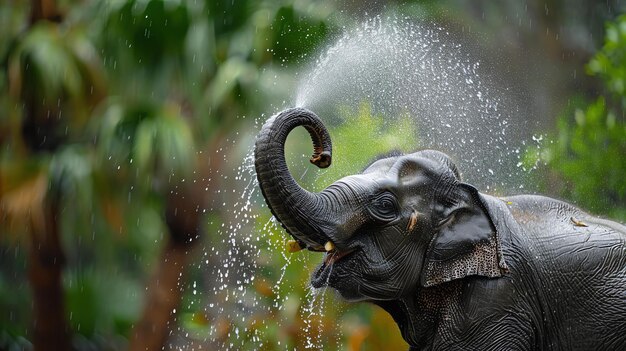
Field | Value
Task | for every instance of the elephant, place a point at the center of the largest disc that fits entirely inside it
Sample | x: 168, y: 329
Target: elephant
x: 457, y: 269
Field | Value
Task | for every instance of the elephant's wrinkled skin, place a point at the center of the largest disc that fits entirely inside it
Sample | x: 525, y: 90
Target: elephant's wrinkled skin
x: 457, y: 269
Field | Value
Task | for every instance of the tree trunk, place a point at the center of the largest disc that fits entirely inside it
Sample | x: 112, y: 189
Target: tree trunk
x: 164, y: 294
x: 46, y: 257
x: 46, y: 261
x: 183, y: 215
x: 44, y: 10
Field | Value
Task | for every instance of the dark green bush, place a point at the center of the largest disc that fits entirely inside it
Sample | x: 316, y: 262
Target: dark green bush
x: 586, y: 158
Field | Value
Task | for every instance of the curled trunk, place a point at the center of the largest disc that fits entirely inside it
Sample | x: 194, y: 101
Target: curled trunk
x: 294, y: 207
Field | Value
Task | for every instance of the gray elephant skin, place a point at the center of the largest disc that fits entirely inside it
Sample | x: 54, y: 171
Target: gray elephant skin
x: 457, y: 269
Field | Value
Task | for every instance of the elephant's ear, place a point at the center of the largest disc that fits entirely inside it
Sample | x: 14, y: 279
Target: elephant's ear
x: 465, y: 242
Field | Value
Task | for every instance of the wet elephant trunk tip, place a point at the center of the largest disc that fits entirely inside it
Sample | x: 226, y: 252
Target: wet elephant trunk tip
x: 321, y: 159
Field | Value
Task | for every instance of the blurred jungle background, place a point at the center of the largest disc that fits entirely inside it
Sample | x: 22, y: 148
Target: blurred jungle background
x: 124, y: 125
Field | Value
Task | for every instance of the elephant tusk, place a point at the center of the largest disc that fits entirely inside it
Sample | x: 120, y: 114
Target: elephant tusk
x: 329, y: 246
x: 412, y: 222
x: 505, y: 201
x: 578, y: 223
x: 293, y: 246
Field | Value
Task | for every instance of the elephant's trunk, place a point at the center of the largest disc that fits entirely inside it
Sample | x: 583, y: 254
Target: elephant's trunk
x: 294, y: 207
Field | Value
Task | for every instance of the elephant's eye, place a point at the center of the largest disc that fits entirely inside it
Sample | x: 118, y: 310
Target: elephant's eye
x: 383, y: 207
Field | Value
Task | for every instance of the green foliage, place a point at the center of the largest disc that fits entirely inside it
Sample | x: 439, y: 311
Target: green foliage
x: 131, y: 93
x: 150, y: 30
x: 610, y: 63
x: 153, y: 140
x: 15, y: 297
x: 44, y: 60
x: 586, y: 158
x: 56, y: 73
x: 113, y: 298
x: 230, y: 16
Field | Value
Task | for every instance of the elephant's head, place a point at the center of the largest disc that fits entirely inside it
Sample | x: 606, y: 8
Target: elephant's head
x: 405, y: 222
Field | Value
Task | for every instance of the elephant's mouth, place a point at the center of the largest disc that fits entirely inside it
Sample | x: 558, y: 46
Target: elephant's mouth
x: 333, y: 256
x: 332, y: 265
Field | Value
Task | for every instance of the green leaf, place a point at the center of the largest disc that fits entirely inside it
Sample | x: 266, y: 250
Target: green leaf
x: 143, y: 146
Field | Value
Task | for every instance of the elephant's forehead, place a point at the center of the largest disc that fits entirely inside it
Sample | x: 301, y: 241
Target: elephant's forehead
x: 382, y: 165
x: 364, y: 180
x: 368, y: 182
x: 407, y: 164
x: 407, y: 172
